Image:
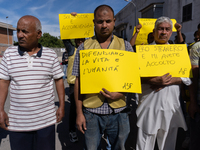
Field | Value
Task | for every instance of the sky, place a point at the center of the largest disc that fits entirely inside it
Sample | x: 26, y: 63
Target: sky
x: 47, y: 11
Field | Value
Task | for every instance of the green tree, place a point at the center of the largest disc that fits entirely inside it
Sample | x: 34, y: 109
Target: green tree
x: 16, y: 43
x: 48, y: 40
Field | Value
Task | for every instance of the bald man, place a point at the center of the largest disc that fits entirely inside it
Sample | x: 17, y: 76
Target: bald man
x: 29, y: 70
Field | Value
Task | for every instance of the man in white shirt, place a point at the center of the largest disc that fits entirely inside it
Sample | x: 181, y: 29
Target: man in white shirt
x: 159, y: 112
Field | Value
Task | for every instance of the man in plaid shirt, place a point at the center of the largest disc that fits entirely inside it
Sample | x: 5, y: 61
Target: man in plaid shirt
x: 94, y: 121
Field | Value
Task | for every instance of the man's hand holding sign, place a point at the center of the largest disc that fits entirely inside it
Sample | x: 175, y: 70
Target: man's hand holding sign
x: 156, y: 60
x: 109, y: 69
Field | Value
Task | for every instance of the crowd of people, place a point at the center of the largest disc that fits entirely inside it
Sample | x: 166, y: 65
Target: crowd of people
x: 29, y: 70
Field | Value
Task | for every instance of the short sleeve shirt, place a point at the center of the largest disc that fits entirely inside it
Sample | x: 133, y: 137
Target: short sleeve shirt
x: 31, y: 87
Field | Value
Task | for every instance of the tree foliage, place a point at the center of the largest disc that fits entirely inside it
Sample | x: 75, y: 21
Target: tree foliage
x: 16, y: 43
x: 48, y: 40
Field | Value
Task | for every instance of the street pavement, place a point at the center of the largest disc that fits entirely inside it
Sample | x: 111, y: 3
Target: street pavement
x: 62, y: 134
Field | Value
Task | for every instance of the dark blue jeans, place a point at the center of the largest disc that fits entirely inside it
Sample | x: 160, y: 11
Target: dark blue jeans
x: 72, y: 112
x: 115, y: 125
x: 65, y: 71
x: 43, y: 139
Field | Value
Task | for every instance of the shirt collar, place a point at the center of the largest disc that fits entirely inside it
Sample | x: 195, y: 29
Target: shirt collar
x: 110, y: 41
x: 39, y: 53
x: 111, y: 37
x: 154, y: 43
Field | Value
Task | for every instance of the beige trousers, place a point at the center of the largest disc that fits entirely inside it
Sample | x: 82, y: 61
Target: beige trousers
x: 165, y: 140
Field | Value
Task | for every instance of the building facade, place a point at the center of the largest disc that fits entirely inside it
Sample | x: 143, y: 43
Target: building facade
x: 186, y: 12
x: 6, y: 36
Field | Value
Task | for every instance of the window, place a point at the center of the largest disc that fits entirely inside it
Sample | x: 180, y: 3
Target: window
x: 123, y: 34
x: 153, y: 11
x: 187, y: 12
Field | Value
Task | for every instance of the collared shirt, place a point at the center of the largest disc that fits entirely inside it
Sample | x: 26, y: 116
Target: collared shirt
x: 31, y: 87
x: 105, y: 108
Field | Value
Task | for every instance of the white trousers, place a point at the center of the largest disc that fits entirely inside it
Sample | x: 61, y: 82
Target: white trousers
x: 165, y: 140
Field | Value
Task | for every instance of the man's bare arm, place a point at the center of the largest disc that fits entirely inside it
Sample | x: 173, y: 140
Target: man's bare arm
x: 60, y: 113
x: 164, y: 80
x: 4, y: 84
x: 80, y: 118
x: 179, y: 34
x: 159, y: 82
x: 133, y: 39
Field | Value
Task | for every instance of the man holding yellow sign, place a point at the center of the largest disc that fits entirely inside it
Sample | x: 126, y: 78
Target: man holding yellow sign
x: 104, y: 111
x: 159, y: 112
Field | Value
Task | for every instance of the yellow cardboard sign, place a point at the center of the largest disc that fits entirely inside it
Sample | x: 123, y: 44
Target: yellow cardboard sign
x: 141, y: 38
x: 79, y: 26
x: 147, y: 27
x: 114, y: 70
x: 157, y: 60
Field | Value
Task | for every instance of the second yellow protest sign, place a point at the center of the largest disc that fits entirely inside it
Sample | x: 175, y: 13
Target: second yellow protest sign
x: 114, y: 70
x: 79, y: 26
x: 147, y: 27
x: 157, y: 60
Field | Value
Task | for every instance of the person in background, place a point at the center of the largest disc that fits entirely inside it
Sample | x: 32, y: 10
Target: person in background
x: 71, y: 81
x: 196, y: 39
x: 196, y: 36
x: 170, y: 42
x: 198, y: 27
x: 65, y: 63
x: 71, y: 49
x: 194, y: 106
x: 150, y: 38
x: 180, y: 37
x: 29, y: 70
x: 133, y: 39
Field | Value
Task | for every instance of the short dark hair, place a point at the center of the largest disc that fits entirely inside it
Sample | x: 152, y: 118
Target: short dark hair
x: 170, y: 42
x: 198, y: 27
x: 195, y: 33
x: 103, y: 7
x: 184, y: 37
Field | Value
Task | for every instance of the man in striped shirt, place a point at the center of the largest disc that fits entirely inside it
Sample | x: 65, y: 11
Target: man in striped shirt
x: 30, y: 69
